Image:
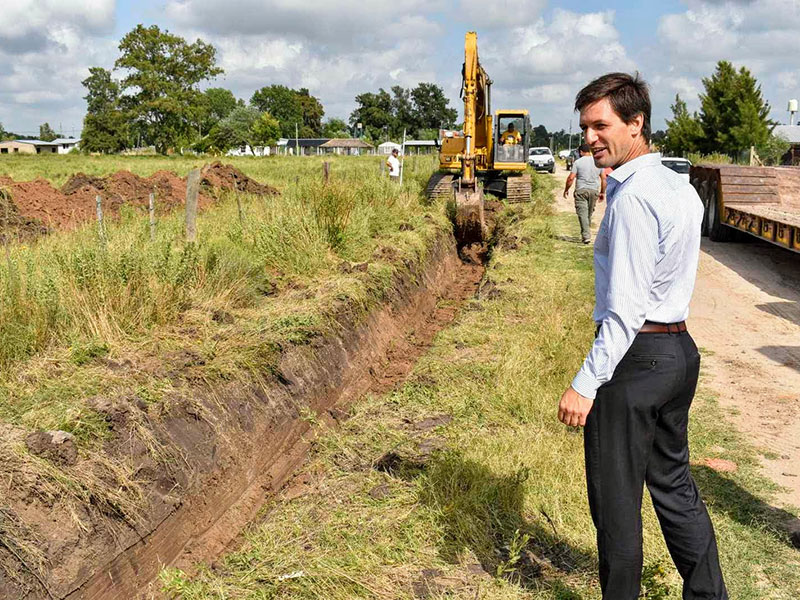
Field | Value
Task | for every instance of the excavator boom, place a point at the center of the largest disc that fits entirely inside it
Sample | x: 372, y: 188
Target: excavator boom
x: 472, y: 154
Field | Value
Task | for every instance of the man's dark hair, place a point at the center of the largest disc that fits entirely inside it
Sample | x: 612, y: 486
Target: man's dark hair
x: 585, y: 148
x: 510, y: 126
x: 628, y: 95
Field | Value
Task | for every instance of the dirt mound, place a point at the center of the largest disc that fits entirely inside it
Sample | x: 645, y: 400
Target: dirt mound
x: 36, y: 206
x: 227, y: 177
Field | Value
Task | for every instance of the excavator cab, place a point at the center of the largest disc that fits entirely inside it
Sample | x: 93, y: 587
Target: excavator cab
x: 511, y: 135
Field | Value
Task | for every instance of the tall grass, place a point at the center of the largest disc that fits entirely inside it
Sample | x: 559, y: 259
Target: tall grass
x: 81, y: 295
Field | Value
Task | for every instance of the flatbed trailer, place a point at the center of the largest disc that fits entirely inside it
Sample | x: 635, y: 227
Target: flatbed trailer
x: 760, y: 201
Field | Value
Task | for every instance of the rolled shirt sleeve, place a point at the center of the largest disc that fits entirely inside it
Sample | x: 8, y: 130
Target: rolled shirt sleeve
x: 633, y: 250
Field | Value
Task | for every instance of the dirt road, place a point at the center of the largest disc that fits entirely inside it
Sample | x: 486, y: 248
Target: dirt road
x: 745, y: 315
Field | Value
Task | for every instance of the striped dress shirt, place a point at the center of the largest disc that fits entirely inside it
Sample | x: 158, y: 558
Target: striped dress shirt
x: 645, y: 261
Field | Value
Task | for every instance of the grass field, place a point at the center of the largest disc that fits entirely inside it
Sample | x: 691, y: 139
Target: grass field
x: 498, y: 509
x: 86, y: 320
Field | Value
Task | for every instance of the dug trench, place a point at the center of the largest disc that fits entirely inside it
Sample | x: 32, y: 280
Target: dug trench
x: 240, y: 445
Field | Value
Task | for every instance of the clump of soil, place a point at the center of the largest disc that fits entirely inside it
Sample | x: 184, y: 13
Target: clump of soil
x: 226, y: 177
x: 36, y: 206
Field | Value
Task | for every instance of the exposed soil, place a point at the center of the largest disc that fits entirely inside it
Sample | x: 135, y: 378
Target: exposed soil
x: 226, y: 177
x: 36, y: 206
x: 221, y: 451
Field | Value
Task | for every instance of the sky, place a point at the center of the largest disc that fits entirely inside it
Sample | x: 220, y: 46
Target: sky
x: 539, y: 53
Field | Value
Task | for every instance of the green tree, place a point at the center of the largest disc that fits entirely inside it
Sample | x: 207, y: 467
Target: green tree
x: 773, y: 149
x: 405, y: 116
x: 2, y: 133
x: 235, y: 129
x: 312, y: 111
x: 431, y: 107
x: 265, y: 130
x: 217, y: 103
x: 733, y: 112
x: 46, y: 133
x: 160, y: 87
x: 335, y: 128
x: 374, y: 112
x: 684, y: 131
x: 105, y: 128
x: 283, y: 104
x: 540, y: 136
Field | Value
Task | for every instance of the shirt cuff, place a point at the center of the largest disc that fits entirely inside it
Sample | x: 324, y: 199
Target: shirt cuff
x: 585, y: 385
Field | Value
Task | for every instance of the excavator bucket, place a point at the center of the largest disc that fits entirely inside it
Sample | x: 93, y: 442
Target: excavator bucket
x: 470, y: 225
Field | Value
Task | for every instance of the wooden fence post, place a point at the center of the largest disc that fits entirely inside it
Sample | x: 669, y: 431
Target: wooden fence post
x: 241, y: 210
x: 6, y: 229
x: 152, y: 210
x: 192, y: 189
x: 326, y: 171
x: 100, y: 228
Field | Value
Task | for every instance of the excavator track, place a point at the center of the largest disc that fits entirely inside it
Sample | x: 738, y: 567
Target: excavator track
x: 518, y: 188
x: 440, y: 187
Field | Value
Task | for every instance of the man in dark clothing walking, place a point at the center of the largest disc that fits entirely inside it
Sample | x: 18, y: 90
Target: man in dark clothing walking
x: 590, y: 187
x: 636, y: 385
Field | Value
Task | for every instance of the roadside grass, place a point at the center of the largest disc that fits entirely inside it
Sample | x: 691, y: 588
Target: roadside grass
x: 487, y: 499
x: 86, y: 321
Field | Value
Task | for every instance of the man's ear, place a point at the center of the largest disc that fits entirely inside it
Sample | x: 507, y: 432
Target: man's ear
x: 635, y: 125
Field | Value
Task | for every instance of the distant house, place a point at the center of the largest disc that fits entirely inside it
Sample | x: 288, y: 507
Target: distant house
x: 302, y: 146
x: 421, y: 146
x: 246, y: 150
x: 387, y: 147
x: 790, y: 133
x: 350, y: 146
x: 57, y: 146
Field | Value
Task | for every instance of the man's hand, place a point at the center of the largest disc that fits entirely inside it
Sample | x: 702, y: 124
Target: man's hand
x: 566, y: 192
x: 573, y: 408
x: 601, y: 197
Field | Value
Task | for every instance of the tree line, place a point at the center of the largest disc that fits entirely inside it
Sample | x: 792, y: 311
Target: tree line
x: 157, y: 102
x: 733, y: 117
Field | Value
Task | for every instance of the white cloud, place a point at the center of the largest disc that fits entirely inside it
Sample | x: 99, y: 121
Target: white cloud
x: 482, y: 16
x: 758, y: 35
x: 335, y: 49
x: 46, y: 47
x: 544, y: 64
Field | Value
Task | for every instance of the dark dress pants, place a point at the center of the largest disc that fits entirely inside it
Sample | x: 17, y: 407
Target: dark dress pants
x: 636, y: 433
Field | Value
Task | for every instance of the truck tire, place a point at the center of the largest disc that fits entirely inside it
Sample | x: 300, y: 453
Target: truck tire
x: 717, y: 232
x: 702, y: 191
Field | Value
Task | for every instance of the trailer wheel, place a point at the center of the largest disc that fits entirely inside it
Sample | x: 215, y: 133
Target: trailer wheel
x: 702, y: 191
x: 717, y: 232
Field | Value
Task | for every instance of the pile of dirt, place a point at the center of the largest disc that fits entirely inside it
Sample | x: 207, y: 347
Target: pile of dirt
x: 226, y: 177
x: 14, y: 225
x: 36, y: 206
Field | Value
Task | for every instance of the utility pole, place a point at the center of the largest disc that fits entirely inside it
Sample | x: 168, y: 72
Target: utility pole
x: 296, y: 141
x: 403, y: 157
x: 570, y: 135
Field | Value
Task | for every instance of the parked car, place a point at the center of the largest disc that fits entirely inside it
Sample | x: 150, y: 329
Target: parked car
x: 572, y: 157
x: 679, y: 165
x: 563, y: 154
x: 542, y: 159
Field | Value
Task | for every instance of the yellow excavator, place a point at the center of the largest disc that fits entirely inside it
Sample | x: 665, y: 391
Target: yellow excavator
x: 489, y: 155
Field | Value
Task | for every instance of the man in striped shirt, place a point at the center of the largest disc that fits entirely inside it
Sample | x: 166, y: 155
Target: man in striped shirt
x: 636, y: 385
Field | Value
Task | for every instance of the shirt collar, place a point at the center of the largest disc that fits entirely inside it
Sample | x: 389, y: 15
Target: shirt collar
x: 620, y: 174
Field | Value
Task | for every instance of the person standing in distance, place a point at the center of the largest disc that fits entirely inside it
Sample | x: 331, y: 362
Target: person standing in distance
x: 394, y: 166
x: 636, y: 385
x: 590, y: 188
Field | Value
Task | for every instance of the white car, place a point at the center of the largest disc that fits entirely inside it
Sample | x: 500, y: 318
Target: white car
x: 680, y: 165
x: 563, y: 154
x: 542, y: 159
